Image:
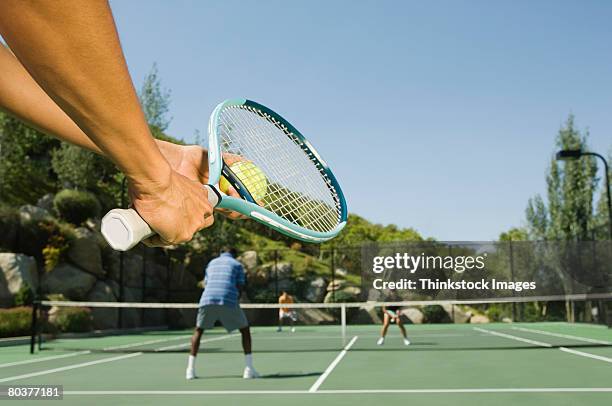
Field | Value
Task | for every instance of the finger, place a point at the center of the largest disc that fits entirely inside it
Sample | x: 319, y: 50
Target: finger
x: 231, y: 159
x: 156, y: 241
x: 231, y: 191
x: 231, y: 214
x: 208, y: 221
x: 202, y: 165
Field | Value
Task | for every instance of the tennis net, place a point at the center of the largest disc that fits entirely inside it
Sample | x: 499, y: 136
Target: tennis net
x: 431, y: 325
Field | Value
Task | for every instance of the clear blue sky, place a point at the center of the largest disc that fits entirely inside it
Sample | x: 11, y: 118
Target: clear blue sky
x: 435, y: 115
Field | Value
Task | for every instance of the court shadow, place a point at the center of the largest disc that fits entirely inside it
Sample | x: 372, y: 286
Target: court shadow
x: 291, y: 375
x: 270, y: 376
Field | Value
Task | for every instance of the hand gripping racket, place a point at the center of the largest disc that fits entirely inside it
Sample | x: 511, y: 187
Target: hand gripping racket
x: 283, y: 182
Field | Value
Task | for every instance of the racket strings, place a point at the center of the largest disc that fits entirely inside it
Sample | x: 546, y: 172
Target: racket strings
x: 298, y: 187
x: 291, y: 206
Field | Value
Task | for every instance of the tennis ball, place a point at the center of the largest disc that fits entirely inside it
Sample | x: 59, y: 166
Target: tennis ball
x: 251, y: 177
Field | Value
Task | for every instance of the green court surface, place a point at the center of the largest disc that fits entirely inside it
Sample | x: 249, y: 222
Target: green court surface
x: 501, y: 364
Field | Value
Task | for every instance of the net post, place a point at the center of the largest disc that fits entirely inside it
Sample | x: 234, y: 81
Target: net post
x: 343, y: 322
x: 276, y: 291
x: 332, y: 266
x: 34, y: 326
x: 511, y: 253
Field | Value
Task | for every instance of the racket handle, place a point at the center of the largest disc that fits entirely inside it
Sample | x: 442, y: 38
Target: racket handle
x: 124, y: 228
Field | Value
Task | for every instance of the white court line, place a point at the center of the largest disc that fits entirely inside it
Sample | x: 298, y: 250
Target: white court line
x: 101, y: 361
x: 208, y: 340
x: 571, y: 337
x: 69, y: 367
x: 73, y: 354
x: 515, y: 338
x: 586, y: 354
x: 331, y: 366
x: 296, y: 336
x: 161, y: 340
x: 547, y: 345
x: 31, y: 361
x: 333, y: 391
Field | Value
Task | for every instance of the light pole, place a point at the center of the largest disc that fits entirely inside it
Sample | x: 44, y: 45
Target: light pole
x: 573, y: 154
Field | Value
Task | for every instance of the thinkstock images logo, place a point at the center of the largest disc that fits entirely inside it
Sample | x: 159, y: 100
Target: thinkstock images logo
x: 413, y: 263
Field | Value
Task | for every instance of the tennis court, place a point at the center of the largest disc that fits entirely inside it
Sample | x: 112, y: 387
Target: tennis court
x: 530, y: 363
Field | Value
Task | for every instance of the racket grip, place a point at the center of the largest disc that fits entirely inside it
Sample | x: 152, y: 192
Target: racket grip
x: 124, y: 228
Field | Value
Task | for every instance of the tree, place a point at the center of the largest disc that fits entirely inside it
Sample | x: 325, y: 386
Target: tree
x: 514, y: 234
x: 155, y: 102
x: 602, y: 217
x: 79, y: 169
x: 571, y: 186
x: 25, y: 174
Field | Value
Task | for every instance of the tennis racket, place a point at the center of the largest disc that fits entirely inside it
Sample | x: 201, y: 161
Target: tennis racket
x: 282, y: 181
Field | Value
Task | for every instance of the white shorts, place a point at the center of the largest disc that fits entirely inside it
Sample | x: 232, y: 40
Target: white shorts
x: 291, y: 314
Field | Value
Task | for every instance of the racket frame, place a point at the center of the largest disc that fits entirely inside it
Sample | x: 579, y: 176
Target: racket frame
x: 247, y: 206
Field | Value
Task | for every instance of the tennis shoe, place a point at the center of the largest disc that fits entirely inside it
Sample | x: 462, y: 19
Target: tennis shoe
x: 406, y: 341
x: 190, y: 373
x: 380, y: 341
x: 250, y: 373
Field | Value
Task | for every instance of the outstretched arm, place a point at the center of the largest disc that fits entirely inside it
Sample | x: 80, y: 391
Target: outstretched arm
x: 71, y: 50
x: 23, y: 98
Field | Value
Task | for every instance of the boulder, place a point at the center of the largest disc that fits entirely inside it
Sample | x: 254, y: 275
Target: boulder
x: 103, y: 318
x: 368, y: 314
x: 183, y: 286
x: 479, y: 319
x: 32, y: 213
x: 353, y: 291
x: 282, y: 270
x: 46, y: 202
x: 68, y: 280
x: 258, y: 278
x: 284, y: 284
x: 131, y: 317
x: 330, y: 297
x: 84, y: 252
x: 340, y: 272
x: 413, y: 314
x: 457, y: 314
x: 16, y: 271
x: 10, y: 228
x: 132, y: 270
x: 315, y: 316
x: 248, y: 260
x: 315, y: 291
x: 336, y: 285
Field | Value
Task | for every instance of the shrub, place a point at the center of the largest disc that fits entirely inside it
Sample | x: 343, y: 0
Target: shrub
x: 36, y: 235
x: 263, y: 296
x: 341, y: 296
x: 9, y: 224
x: 71, y: 319
x: 25, y: 296
x: 15, y: 322
x: 76, y: 206
x: 435, y: 314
